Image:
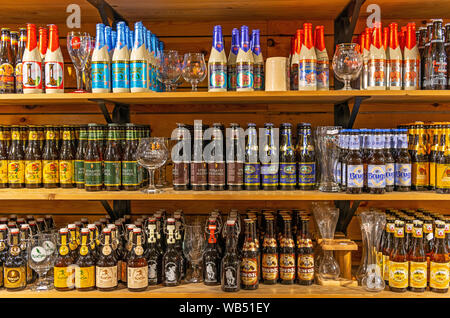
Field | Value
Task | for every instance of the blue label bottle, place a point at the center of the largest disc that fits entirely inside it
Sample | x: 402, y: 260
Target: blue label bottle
x: 121, y: 62
x: 100, y: 69
x: 138, y: 61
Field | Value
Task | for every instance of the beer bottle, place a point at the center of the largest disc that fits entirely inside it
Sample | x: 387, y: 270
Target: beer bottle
x: 79, y: 158
x: 287, y: 254
x: 92, y: 162
x: 92, y: 240
x: 211, y: 256
x: 6, y: 64
x: 137, y: 266
x: 85, y: 264
x: 199, y: 168
x: 63, y: 270
x: 437, y: 59
x: 252, y: 167
x: 403, y: 164
x: 422, y: 53
x: 388, y: 160
x: 269, y: 170
x: 420, y: 165
x: 231, y: 265
x: 3, y: 250
x: 417, y: 260
x: 436, y: 131
x: 66, y: 159
x: 50, y: 171
x: 355, y: 167
x: 388, y: 246
x: 15, y: 276
x: 73, y: 241
x: 3, y: 157
x: 398, y: 261
x: 305, y: 255
x: 23, y: 137
x: 112, y: 160
x: 16, y: 164
x: 426, y: 56
x: 216, y: 164
x: 429, y: 239
x: 172, y: 258
x: 443, y: 165
x: 179, y: 234
x: 288, y: 165
x: 24, y: 234
x: 409, y: 229
x: 439, y: 261
x: 376, y: 165
x: 106, y: 266
x: 128, y: 244
x: 341, y: 173
x: 153, y: 254
x: 180, y: 171
x: 33, y: 163
x: 235, y: 159
x: 249, y: 262
x: 269, y: 263
x: 18, y: 71
x: 130, y: 180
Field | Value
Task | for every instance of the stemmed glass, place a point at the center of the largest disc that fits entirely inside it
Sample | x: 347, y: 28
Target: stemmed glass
x: 41, y: 250
x: 169, y: 68
x: 194, y: 69
x: 87, y: 70
x: 79, y: 47
x: 193, y: 248
x: 162, y: 178
x: 152, y: 153
x: 328, y: 153
x: 347, y: 63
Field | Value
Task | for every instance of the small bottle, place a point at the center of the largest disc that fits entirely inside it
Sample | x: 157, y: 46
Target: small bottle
x: 101, y: 60
x: 180, y: 170
x: 231, y: 66
x: 295, y: 60
x: 287, y: 254
x: 64, y: 270
x: 439, y: 262
x: 216, y: 164
x: 376, y: 166
x: 231, y: 265
x: 388, y: 160
x: 244, y: 63
x: 137, y: 266
x: 217, y: 63
x: 172, y: 259
x: 307, y: 69
x: 411, y: 61
x: 377, y: 61
x: 199, y: 167
x: 323, y: 63
x: 417, y: 260
x: 235, y: 159
x: 252, y: 166
x: 6, y: 63
x: 15, y: 276
x: 43, y: 45
x: 394, y: 60
x: 288, y: 164
x: 66, y: 159
x: 402, y: 164
x: 121, y: 62
x: 50, y: 156
x: 93, y: 180
x: 32, y: 64
x: 398, y: 261
x: 355, y: 167
x: 153, y: 254
x: 258, y: 62
x: 270, y: 162
x: 211, y: 255
x: 106, y: 266
x: 54, y: 63
x: 249, y: 261
x: 33, y: 162
x: 85, y: 264
x: 18, y: 72
x: 306, y: 158
x: 305, y: 255
x: 138, y: 61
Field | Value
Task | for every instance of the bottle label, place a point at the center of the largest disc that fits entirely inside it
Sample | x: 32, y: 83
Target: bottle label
x: 84, y: 277
x: 93, y: 173
x: 121, y: 74
x: 137, y: 277
x: 269, y: 266
x: 123, y: 272
x: 217, y: 75
x: 376, y: 176
x: 249, y: 271
x: 258, y: 76
x: 79, y: 171
x: 129, y: 173
x: 380, y: 263
x: 235, y: 173
x: 180, y: 173
x: 443, y: 176
x: 252, y: 173
x: 16, y: 171
x: 32, y: 75
x: 244, y: 75
x: 433, y: 168
x: 138, y: 70
x: 64, y: 277
x: 288, y: 173
x: 386, y: 267
x: 287, y: 266
x: 355, y: 176
x: 112, y: 173
x: 293, y: 77
x: 171, y: 272
x: 398, y: 274
x: 231, y: 278
x: 66, y: 170
x: 54, y: 75
x: 377, y: 72
x: 305, y: 267
x: 338, y: 172
x: 3, y: 171
x: 439, y: 275
x: 418, y: 274
x: 410, y: 74
x: 390, y: 174
x: 15, y: 277
x: 395, y: 73
x: 152, y: 272
x: 50, y: 171
x: 344, y: 174
x: 306, y: 173
x: 438, y: 73
x: 101, y: 75
x: 323, y: 74
x: 199, y: 173
x: 403, y: 174
x: 33, y: 171
x: 106, y: 277
x: 7, y: 77
x: 19, y: 77
x: 232, y: 77
x: 420, y: 173
x: 216, y: 173
x: 210, y: 272
x: 269, y: 174
x: 307, y: 70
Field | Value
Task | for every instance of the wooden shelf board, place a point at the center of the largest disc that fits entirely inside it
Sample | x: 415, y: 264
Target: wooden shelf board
x: 170, y: 194
x: 201, y: 291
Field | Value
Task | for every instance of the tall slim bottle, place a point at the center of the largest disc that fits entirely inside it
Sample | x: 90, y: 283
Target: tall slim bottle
x: 43, y: 44
x: 323, y: 63
x: 437, y: 61
x: 121, y: 62
x: 231, y: 66
x: 244, y: 63
x: 307, y: 68
x: 252, y: 166
x: 411, y: 61
x: 18, y: 72
x: 377, y: 62
x: 54, y: 63
x: 101, y: 64
x: 394, y: 59
x: 295, y: 60
x: 6, y: 63
x: 217, y: 63
x: 231, y: 263
x: 258, y: 62
x: 439, y: 262
x: 138, y: 61
x: 32, y: 64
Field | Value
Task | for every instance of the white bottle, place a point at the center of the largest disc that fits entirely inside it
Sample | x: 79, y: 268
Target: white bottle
x: 121, y: 62
x: 395, y: 60
x: 138, y: 62
x: 377, y: 62
x: 217, y: 63
x: 244, y: 63
x: 323, y: 63
x: 32, y: 79
x: 258, y: 62
x: 295, y: 60
x: 54, y: 64
x: 411, y: 60
x: 307, y: 69
x: 100, y: 66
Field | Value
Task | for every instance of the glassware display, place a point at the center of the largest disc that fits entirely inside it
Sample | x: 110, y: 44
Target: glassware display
x: 169, y: 69
x: 327, y: 138
x: 79, y: 47
x: 326, y: 217
x: 152, y: 153
x: 347, y: 63
x: 193, y: 248
x: 41, y: 250
x: 194, y: 69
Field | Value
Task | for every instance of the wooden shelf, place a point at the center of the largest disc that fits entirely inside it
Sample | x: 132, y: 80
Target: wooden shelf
x: 202, y: 291
x: 290, y: 97
x: 170, y: 194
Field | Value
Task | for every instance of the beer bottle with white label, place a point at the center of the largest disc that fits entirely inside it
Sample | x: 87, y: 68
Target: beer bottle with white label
x: 307, y: 68
x: 231, y: 265
x: 211, y: 256
x: 153, y: 254
x: 63, y: 270
x: 172, y: 258
x: 85, y: 264
x: 258, y: 62
x: 54, y: 64
x: 121, y: 62
x: 137, y: 266
x: 437, y: 59
x: 394, y: 59
x: 106, y: 266
x: 32, y: 61
x: 138, y: 61
x: 439, y: 261
x: 354, y: 164
x: 417, y: 260
x: 323, y: 63
x: 217, y: 63
x: 377, y: 61
x: 398, y: 261
x: 388, y: 160
x: 15, y: 276
x: 249, y: 262
x: 287, y: 254
x: 411, y: 61
x: 6, y: 63
x: 376, y: 165
x: 231, y: 66
x: 244, y: 63
x: 295, y: 60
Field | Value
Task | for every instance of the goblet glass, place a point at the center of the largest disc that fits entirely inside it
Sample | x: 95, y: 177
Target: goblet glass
x: 169, y: 68
x: 347, y: 63
x: 162, y: 176
x: 87, y: 70
x: 41, y: 250
x: 193, y: 248
x: 152, y: 153
x: 326, y: 217
x: 79, y: 47
x: 328, y: 154
x: 194, y: 69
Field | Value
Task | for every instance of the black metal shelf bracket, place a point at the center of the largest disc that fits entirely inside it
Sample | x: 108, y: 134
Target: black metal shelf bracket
x: 106, y: 11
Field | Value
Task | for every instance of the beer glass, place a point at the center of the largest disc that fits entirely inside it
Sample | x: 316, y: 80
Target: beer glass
x: 328, y: 155
x: 152, y: 153
x: 347, y: 63
x: 162, y: 171
x: 168, y: 68
x: 41, y: 250
x: 194, y: 69
x: 193, y: 248
x: 79, y: 46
